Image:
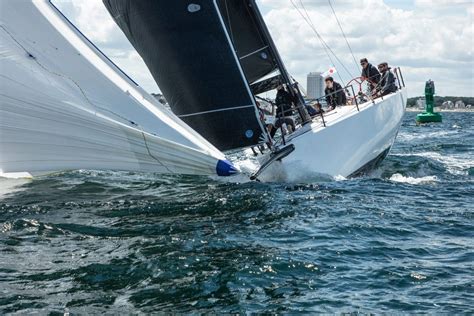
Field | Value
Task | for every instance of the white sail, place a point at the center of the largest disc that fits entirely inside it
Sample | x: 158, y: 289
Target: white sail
x: 64, y: 105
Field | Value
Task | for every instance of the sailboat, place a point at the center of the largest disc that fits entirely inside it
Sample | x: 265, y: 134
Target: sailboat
x: 65, y: 106
x: 212, y: 58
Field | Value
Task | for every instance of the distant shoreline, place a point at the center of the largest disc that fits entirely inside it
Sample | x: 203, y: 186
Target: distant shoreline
x: 441, y: 110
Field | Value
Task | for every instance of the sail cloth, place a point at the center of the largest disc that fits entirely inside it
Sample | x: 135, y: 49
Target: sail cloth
x: 191, y: 56
x: 64, y: 105
x: 247, y: 36
x: 266, y: 84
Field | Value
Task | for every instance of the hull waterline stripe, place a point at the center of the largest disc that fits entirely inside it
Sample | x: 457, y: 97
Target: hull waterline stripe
x: 218, y: 110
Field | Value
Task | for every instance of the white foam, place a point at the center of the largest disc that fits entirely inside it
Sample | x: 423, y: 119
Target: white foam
x: 15, y: 175
x: 8, y: 186
x: 397, y: 177
x: 455, y: 164
x: 340, y: 178
x: 246, y: 166
x: 409, y: 136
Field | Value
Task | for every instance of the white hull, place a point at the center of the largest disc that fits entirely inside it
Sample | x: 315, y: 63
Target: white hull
x: 350, y: 141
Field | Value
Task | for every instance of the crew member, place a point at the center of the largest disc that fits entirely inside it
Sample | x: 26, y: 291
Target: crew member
x: 334, y: 92
x: 284, y: 111
x: 283, y: 101
x: 319, y: 108
x: 315, y: 109
x: 387, y: 82
x: 370, y: 73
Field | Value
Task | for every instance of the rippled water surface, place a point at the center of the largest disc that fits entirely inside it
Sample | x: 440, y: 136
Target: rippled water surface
x: 400, y: 240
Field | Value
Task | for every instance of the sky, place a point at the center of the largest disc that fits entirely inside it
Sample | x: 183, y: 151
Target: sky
x: 428, y: 39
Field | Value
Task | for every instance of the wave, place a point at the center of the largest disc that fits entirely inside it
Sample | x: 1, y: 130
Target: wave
x: 8, y: 186
x: 456, y: 164
x: 397, y: 177
x: 411, y: 136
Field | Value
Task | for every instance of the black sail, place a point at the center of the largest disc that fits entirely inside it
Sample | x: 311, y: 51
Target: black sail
x: 251, y: 45
x: 189, y: 52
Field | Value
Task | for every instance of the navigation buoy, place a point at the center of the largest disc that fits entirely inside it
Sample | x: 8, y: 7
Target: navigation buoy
x: 429, y: 115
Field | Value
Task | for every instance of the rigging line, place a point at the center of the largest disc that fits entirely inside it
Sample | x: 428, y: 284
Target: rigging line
x: 309, y: 21
x: 313, y: 27
x: 323, y: 43
x: 329, y: 48
x: 343, y: 34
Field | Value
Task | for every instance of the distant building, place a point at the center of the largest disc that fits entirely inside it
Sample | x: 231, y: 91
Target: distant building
x: 447, y: 105
x: 421, y: 103
x: 315, y: 85
x: 459, y: 105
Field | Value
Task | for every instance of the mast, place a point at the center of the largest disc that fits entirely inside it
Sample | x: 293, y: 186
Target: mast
x: 284, y: 73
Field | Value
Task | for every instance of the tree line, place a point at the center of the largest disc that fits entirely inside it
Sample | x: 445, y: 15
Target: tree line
x: 440, y: 100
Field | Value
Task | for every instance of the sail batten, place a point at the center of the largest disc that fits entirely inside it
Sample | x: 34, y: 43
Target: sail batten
x: 253, y: 53
x: 219, y: 110
x: 248, y: 38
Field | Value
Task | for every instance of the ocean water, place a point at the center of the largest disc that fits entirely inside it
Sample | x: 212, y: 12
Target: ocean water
x: 399, y: 240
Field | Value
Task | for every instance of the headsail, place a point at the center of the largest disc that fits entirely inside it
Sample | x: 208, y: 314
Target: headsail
x: 191, y: 56
x: 64, y: 105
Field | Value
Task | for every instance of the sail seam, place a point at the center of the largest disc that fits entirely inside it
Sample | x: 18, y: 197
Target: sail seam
x: 218, y: 110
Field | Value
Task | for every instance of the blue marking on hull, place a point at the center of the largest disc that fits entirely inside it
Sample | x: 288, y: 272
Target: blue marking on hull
x: 225, y: 168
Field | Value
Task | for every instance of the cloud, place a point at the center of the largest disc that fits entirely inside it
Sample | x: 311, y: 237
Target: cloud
x: 442, y: 3
x: 427, y: 43
x: 93, y: 19
x: 430, y: 39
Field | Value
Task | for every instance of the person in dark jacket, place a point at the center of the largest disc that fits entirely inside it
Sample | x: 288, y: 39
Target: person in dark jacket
x: 387, y: 82
x: 335, y: 94
x: 370, y: 73
x: 315, y: 109
x: 283, y: 102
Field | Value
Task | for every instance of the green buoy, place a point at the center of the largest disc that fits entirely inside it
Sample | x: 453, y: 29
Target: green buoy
x: 429, y: 115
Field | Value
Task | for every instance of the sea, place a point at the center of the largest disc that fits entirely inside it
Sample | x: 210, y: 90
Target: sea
x: 399, y: 240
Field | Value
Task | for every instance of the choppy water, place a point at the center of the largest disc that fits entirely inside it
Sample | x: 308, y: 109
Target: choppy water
x: 400, y: 240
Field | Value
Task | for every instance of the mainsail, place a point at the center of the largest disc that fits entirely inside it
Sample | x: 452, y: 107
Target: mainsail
x: 204, y: 55
x: 248, y: 38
